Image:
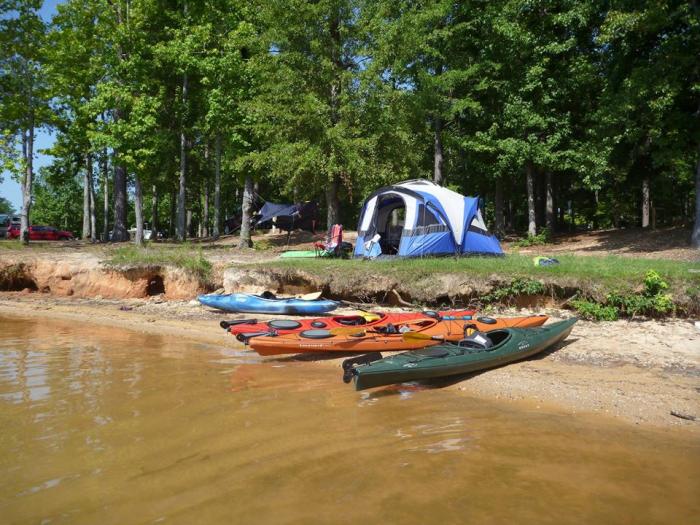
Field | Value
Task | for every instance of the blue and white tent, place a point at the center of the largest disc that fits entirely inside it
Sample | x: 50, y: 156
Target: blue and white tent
x: 418, y: 218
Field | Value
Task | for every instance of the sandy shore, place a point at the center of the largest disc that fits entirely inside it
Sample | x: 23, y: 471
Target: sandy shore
x: 641, y: 372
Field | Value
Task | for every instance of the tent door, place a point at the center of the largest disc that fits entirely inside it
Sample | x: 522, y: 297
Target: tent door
x: 390, y: 225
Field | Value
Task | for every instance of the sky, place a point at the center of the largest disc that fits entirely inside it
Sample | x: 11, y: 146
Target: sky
x: 9, y: 189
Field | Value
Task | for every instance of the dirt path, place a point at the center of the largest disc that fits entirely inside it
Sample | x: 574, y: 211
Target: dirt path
x: 639, y: 372
x: 662, y: 243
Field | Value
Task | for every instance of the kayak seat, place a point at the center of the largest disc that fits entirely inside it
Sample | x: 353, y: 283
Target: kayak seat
x: 387, y: 329
x: 355, y: 321
x: 477, y: 341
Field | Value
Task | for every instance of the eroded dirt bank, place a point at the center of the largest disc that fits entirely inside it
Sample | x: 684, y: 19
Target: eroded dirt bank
x: 640, y: 372
x: 84, y: 275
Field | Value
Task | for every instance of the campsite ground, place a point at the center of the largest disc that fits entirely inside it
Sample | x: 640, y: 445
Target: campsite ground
x: 641, y: 370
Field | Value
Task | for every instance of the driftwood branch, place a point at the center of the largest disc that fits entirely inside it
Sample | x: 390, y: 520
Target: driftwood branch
x: 400, y: 299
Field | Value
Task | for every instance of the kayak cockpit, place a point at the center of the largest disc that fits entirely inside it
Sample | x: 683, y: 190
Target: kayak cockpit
x: 480, y: 341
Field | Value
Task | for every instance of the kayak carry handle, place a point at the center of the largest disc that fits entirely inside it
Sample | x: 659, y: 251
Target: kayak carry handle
x: 245, y: 338
x: 349, y: 364
x: 228, y: 324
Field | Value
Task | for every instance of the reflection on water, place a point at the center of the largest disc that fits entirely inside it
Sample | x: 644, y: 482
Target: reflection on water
x: 108, y: 426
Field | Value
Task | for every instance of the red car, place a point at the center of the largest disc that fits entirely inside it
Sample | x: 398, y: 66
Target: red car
x: 40, y: 233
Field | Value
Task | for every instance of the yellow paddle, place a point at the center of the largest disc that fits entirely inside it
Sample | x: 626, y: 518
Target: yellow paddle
x: 425, y: 337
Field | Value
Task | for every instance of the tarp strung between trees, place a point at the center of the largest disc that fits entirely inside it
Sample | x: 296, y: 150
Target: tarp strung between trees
x: 290, y: 216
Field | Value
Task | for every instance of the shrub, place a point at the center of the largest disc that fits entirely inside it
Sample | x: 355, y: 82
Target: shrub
x: 653, y: 284
x: 652, y: 300
x: 262, y: 245
x: 595, y: 311
x: 544, y: 237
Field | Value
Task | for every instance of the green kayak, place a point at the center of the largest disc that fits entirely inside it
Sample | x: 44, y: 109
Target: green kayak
x: 479, y: 351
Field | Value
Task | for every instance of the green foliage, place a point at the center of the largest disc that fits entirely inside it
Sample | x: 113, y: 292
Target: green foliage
x: 300, y: 94
x: 595, y: 311
x: 652, y: 300
x: 542, y: 238
x: 517, y: 287
x: 185, y: 256
x: 58, y: 199
x: 6, y: 206
x: 262, y: 245
x: 654, y: 284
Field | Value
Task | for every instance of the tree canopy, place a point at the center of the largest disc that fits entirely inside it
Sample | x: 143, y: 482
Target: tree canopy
x: 558, y: 113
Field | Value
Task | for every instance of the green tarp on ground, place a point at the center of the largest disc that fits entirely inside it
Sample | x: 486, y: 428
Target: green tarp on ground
x: 301, y: 254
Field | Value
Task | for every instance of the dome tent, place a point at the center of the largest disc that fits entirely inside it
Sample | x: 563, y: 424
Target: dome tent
x: 417, y: 218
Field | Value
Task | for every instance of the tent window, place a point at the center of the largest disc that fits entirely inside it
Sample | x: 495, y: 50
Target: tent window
x: 426, y: 217
x: 477, y: 224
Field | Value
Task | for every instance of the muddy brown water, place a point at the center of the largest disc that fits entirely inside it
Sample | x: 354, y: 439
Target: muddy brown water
x: 106, y: 426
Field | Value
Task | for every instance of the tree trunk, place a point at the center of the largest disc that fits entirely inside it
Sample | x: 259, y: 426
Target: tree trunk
x: 154, y: 213
x: 173, y: 199
x: 438, y: 153
x: 531, y: 216
x: 93, y: 217
x: 549, y: 202
x: 645, y: 202
x: 188, y: 223
x: 205, y: 211
x: 572, y: 220
x: 105, y: 211
x: 217, y: 187
x: 499, y: 208
x: 695, y: 239
x: 138, y: 208
x: 181, y: 220
x: 204, y: 218
x: 86, y: 199
x: 332, y: 203
x: 119, y: 232
x: 246, y: 208
x: 27, y: 180
x: 561, y: 217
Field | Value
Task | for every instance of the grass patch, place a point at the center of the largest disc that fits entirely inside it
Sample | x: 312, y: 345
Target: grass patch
x: 184, y: 256
x: 611, y: 271
x: 262, y: 245
x: 15, y: 244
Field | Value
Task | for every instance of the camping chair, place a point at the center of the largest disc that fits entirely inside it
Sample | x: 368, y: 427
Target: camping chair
x: 334, y: 245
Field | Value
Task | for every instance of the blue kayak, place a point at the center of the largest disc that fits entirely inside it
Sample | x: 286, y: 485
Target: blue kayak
x: 243, y: 302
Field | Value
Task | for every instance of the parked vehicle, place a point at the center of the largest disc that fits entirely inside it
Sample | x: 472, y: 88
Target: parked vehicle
x: 40, y: 233
x: 5, y: 222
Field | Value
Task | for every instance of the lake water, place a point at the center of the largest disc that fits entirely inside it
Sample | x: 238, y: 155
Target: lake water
x: 105, y: 426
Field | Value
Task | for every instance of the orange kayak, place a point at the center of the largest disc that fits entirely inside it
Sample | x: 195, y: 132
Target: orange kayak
x: 434, y: 332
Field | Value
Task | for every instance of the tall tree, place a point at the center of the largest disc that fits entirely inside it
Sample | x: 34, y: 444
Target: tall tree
x: 649, y: 62
x: 304, y: 113
x: 23, y: 97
